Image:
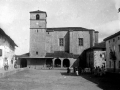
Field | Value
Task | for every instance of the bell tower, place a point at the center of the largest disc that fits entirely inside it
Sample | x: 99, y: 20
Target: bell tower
x: 37, y: 33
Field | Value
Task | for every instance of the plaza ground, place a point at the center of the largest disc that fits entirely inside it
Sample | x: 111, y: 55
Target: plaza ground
x: 56, y: 79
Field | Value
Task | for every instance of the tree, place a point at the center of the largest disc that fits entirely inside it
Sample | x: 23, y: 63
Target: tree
x: 113, y: 57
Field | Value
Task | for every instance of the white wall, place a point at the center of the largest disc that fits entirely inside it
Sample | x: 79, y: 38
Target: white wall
x: 99, y: 58
x: 7, y: 52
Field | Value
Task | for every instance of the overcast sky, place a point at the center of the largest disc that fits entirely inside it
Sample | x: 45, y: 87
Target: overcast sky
x: 101, y: 15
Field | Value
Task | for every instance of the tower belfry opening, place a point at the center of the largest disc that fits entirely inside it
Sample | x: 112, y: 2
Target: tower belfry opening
x: 37, y: 17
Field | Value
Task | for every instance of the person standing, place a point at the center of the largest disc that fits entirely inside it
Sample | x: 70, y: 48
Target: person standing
x: 76, y: 71
x: 68, y: 70
x: 5, y: 64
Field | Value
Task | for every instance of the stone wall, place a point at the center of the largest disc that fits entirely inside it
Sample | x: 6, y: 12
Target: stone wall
x: 42, y: 15
x: 74, y: 47
x: 96, y: 58
x: 37, y: 35
x: 99, y: 58
x: 37, y: 42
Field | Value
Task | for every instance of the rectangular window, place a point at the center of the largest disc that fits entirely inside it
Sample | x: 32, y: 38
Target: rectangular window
x: 61, y: 41
x: 0, y: 52
x: 80, y: 41
x: 118, y: 38
x: 36, y: 53
x: 119, y: 64
x: 119, y: 47
x: 113, y: 40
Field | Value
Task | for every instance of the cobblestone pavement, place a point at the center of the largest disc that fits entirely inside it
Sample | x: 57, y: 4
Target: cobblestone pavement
x: 46, y: 80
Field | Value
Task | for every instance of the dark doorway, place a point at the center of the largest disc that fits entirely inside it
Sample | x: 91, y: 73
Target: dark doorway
x: 66, y: 63
x: 57, y: 63
x: 49, y: 62
x: 23, y: 63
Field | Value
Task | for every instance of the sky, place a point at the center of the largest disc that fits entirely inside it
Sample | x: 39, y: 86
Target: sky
x: 100, y: 15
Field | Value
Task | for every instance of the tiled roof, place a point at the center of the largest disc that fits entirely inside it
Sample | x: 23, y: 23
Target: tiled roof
x: 38, y: 11
x: 101, y: 45
x: 69, y: 29
x: 6, y: 37
x: 112, y: 36
x: 61, y: 54
x: 56, y: 54
x: 24, y: 55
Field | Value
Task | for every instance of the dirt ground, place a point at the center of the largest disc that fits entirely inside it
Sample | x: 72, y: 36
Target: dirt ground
x: 32, y: 79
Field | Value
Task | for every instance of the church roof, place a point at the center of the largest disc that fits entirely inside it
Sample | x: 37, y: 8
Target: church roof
x: 38, y: 11
x: 61, y: 54
x: 56, y: 54
x: 69, y: 29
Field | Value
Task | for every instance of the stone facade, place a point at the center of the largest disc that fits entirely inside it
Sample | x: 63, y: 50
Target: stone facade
x: 113, y: 44
x: 37, y: 34
x: 95, y: 58
x: 46, y: 42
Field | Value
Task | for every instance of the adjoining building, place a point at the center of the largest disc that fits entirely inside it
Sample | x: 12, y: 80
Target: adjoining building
x: 57, y: 46
x: 7, y: 50
x: 113, y: 52
x: 93, y: 57
x: 96, y: 56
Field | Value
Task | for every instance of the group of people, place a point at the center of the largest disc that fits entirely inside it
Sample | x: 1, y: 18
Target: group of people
x: 99, y: 71
x: 6, y: 65
x: 50, y: 66
x: 76, y: 71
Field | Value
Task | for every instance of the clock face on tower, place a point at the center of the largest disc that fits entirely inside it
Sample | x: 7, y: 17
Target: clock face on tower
x: 38, y: 24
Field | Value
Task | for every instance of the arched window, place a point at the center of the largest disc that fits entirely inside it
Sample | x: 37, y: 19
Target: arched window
x: 37, y: 17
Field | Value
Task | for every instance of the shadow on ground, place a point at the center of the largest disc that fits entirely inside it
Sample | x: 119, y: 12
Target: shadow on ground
x: 110, y: 81
x: 66, y: 74
x: 63, y: 69
x: 107, y: 82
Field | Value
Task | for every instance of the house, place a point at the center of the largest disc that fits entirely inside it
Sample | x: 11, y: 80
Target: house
x: 93, y: 57
x: 7, y: 50
x: 57, y: 46
x: 113, y: 52
x: 96, y: 56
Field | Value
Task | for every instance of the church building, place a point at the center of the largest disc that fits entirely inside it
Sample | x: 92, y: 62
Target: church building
x: 57, y: 46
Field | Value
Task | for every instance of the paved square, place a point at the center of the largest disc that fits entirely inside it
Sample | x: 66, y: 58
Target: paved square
x: 46, y: 80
